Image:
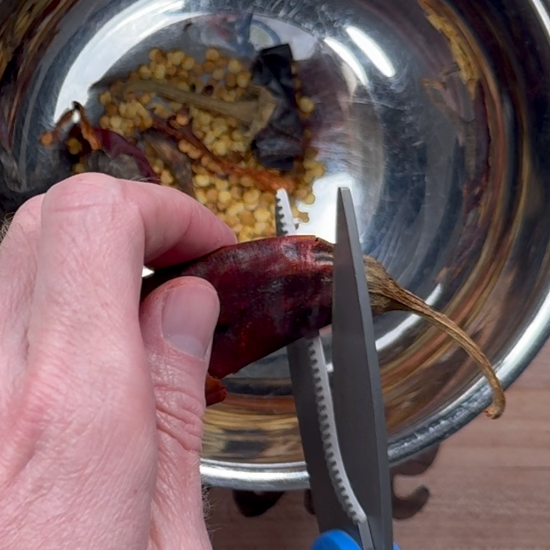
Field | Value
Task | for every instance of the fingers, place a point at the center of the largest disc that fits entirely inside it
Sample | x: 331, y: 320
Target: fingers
x: 96, y: 233
x: 18, y: 257
x: 177, y: 322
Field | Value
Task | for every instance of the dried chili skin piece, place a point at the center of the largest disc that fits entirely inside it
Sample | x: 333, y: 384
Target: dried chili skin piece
x: 276, y: 290
x: 115, y: 146
x: 280, y: 143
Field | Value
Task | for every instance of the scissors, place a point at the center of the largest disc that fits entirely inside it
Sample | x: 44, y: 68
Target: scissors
x: 341, y: 418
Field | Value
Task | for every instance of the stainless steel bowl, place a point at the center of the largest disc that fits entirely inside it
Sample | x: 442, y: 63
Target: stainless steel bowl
x: 437, y: 116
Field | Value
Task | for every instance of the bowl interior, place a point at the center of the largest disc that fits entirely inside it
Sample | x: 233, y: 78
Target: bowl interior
x: 430, y: 112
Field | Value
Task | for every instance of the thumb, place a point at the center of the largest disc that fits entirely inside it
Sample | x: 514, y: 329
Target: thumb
x: 177, y: 322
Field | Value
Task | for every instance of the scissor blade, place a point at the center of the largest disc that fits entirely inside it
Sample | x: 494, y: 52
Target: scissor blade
x: 329, y: 512
x: 305, y: 358
x: 357, y: 391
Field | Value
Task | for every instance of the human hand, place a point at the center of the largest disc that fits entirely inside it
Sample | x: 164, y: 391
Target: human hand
x: 101, y: 398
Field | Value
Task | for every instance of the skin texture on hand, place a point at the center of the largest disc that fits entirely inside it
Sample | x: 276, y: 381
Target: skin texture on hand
x: 101, y: 398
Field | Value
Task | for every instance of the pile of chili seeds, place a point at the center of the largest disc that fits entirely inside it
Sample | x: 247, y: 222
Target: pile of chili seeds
x: 236, y: 200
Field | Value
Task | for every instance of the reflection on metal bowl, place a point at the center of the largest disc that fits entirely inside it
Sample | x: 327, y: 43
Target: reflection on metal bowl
x: 434, y: 113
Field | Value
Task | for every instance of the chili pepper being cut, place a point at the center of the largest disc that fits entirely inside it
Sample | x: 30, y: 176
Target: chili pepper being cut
x: 276, y: 290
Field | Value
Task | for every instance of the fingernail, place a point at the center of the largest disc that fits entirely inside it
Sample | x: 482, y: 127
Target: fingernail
x: 189, y: 318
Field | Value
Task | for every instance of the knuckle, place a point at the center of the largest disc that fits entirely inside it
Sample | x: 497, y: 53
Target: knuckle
x: 92, y: 198
x: 84, y: 191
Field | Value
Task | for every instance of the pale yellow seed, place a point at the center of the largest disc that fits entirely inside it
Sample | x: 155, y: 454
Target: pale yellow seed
x: 235, y: 209
x: 160, y: 72
x: 262, y: 215
x: 239, y: 147
x: 218, y: 74
x: 237, y: 228
x: 79, y: 168
x: 306, y: 105
x: 268, y: 198
x: 260, y: 227
x: 236, y: 135
x: 236, y: 192
x: 217, y: 132
x: 176, y: 57
x: 105, y: 98
x: 188, y: 63
x: 131, y: 110
x: 145, y: 99
x: 194, y: 154
x: 144, y: 72
x: 183, y: 146
x: 212, y: 195
x: 116, y: 122
x: 308, y: 177
x: 310, y: 199
x: 247, y: 218
x: 219, y: 148
x: 122, y: 109
x: 104, y: 122
x: 304, y: 217
x: 301, y: 193
x: 319, y: 170
x: 153, y: 54
x: 198, y: 169
x: 243, y: 79
x: 202, y: 180
x: 224, y: 197
x: 127, y: 126
x: 209, y: 138
x: 183, y: 86
x: 251, y: 196
x: 221, y: 185
x: 182, y: 120
x: 204, y: 119
x: 234, y: 66
x: 166, y: 178
x: 212, y: 54
x: 74, y: 146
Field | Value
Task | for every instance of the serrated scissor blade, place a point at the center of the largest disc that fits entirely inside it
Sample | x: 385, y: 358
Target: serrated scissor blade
x: 336, y: 506
x: 283, y: 214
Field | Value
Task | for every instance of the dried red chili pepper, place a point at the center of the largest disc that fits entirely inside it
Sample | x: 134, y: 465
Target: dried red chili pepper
x: 276, y: 290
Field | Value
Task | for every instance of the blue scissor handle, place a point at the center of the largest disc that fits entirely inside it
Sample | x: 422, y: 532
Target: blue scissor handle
x: 337, y: 540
